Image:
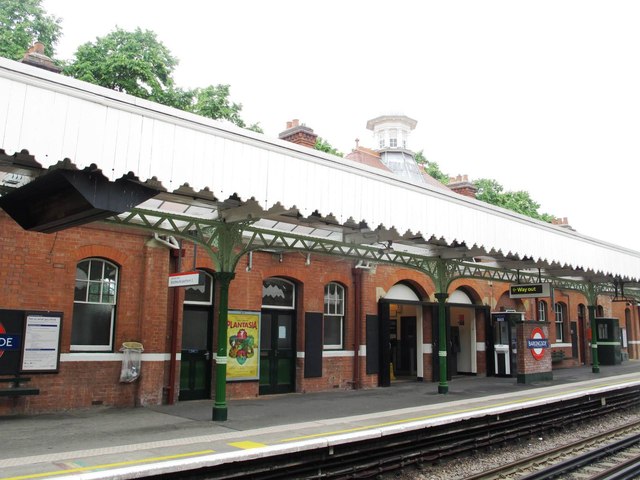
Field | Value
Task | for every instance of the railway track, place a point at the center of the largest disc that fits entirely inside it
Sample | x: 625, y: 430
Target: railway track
x: 614, y: 454
x: 374, y: 457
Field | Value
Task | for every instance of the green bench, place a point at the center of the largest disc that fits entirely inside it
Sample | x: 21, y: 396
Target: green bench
x: 15, y: 389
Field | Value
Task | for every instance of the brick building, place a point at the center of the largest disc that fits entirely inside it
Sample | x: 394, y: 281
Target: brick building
x: 315, y: 321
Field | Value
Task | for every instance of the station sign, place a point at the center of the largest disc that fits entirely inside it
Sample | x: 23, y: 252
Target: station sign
x: 530, y: 290
x: 186, y: 279
x: 537, y: 343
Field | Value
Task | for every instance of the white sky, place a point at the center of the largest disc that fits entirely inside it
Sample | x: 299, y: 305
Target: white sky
x: 542, y: 96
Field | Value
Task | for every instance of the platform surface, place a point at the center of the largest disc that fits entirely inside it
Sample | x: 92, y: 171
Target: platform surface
x: 103, y: 442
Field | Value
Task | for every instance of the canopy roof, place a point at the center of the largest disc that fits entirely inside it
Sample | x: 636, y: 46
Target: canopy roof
x: 207, y: 169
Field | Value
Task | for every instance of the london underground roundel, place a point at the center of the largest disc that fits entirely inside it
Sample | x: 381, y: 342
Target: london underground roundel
x: 538, y: 343
x: 2, y: 330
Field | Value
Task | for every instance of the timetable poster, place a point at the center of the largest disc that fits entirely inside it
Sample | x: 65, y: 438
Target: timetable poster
x: 41, y: 342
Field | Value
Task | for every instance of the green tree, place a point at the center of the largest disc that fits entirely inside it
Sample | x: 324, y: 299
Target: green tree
x: 139, y: 64
x: 133, y: 62
x: 22, y: 23
x: 213, y: 102
x: 432, y: 168
x: 324, y: 146
x: 492, y: 192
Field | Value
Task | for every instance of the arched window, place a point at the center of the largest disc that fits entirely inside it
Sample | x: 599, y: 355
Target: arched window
x: 200, y: 294
x: 278, y: 293
x: 600, y: 311
x: 333, y: 319
x: 94, y: 305
x: 561, y: 313
x: 542, y: 311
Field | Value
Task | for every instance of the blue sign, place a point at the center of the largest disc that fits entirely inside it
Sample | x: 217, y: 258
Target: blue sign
x: 9, y: 342
x: 537, y: 343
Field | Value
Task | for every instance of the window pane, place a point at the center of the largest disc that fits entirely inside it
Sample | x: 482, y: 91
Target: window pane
x: 82, y: 270
x: 285, y: 337
x: 91, y: 324
x: 108, y: 291
x: 110, y: 272
x: 94, y: 292
x: 277, y: 292
x: 80, y: 294
x: 333, y: 330
x: 194, y: 330
x: 95, y: 272
x: 200, y: 293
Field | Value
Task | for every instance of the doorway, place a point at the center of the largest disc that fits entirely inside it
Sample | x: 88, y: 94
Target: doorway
x: 195, y: 358
x: 400, y: 336
x: 405, y: 361
x: 277, y: 352
x: 277, y: 337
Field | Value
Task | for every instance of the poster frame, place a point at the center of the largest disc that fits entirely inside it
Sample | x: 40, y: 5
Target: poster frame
x: 54, y: 361
x: 231, y: 314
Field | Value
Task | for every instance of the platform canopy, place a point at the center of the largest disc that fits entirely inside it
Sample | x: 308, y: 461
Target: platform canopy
x: 202, y: 168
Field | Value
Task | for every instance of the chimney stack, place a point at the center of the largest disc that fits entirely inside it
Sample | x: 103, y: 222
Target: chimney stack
x: 299, y: 134
x: 462, y: 186
x: 35, y: 57
x: 562, y: 222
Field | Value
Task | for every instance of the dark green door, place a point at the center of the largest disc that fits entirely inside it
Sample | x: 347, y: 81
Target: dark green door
x: 277, y: 352
x: 195, y: 364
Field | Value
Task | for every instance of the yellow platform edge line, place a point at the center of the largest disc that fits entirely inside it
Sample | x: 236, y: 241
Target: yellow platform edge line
x: 110, y: 465
x: 247, y: 445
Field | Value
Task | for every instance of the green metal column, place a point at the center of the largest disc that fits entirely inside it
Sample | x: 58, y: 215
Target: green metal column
x: 595, y: 366
x: 443, y: 387
x: 223, y: 279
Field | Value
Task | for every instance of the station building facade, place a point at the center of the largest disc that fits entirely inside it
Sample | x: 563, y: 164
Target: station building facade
x: 318, y: 316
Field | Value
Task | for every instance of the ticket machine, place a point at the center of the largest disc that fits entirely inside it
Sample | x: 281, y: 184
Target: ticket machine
x: 505, y: 351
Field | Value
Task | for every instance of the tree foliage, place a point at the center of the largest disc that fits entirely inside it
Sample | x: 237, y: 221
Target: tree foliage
x: 135, y: 62
x: 139, y: 64
x: 24, y: 22
x: 492, y: 192
x: 325, y: 146
x: 432, y: 168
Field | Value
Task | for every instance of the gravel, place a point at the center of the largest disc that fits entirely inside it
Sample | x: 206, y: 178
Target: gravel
x: 460, y: 468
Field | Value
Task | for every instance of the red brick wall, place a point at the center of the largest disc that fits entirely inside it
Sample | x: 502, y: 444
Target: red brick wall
x: 39, y: 274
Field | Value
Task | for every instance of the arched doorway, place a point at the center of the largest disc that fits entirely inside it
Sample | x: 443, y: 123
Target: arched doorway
x: 195, y: 357
x: 405, y: 333
x: 277, y: 336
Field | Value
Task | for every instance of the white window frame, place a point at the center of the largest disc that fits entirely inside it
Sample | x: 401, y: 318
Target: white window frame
x: 334, y: 308
x: 113, y: 303
x: 542, y: 311
x: 559, y: 311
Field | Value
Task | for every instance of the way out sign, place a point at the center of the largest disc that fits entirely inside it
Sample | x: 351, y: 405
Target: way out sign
x: 530, y: 290
x: 186, y: 279
x: 537, y: 343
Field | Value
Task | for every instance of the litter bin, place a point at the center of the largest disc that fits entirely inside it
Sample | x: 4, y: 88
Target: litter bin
x: 131, y: 361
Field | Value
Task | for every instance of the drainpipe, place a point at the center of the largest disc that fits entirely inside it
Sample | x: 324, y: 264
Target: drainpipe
x: 173, y: 362
x: 357, y: 313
